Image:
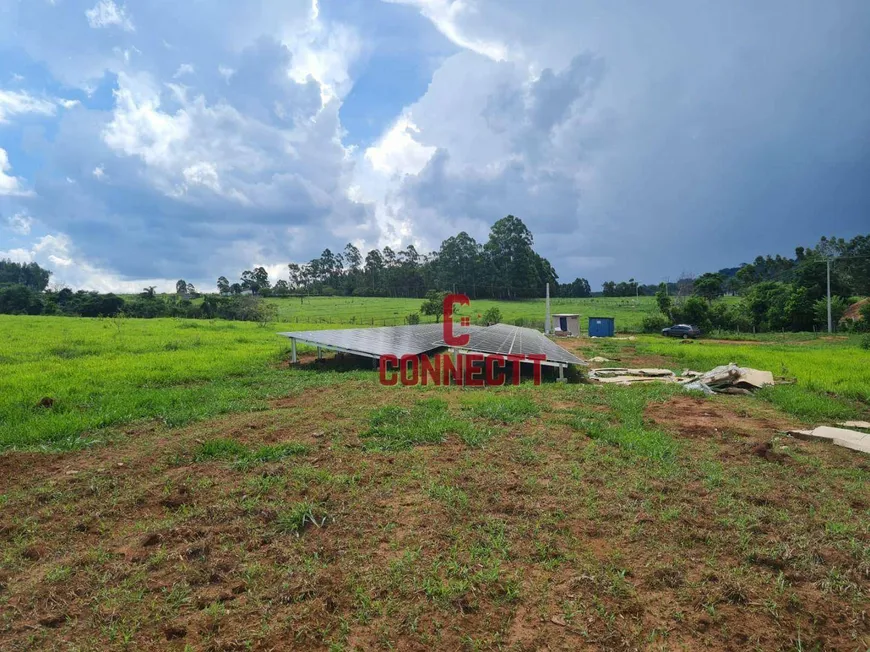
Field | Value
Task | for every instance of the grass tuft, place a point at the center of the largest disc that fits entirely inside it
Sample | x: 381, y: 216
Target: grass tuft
x: 220, y: 449
x: 300, y: 516
x: 428, y: 421
x: 230, y: 449
x: 503, y: 407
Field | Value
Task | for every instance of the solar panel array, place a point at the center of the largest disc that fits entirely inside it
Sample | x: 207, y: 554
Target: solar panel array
x: 375, y: 342
x: 504, y: 339
x: 501, y: 339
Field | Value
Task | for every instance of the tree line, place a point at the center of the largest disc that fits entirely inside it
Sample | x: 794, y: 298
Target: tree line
x: 28, y: 296
x: 506, y: 266
x: 776, y: 293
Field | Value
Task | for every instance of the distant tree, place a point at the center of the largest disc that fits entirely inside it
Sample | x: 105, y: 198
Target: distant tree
x: 295, y: 276
x: 664, y: 301
x: 352, y: 257
x: 374, y: 269
x: 191, y: 289
x: 261, y: 276
x: 434, y: 304
x: 695, y: 311
x: 839, y: 306
x: 709, y: 286
x: 249, y: 281
x: 29, y: 275
x: 685, y: 285
x: 282, y: 288
x: 19, y: 300
x: 765, y: 305
x: 148, y: 293
x: 223, y: 285
x: 181, y: 286
x: 578, y: 288
x: 512, y: 261
x: 799, y: 309
x: 236, y: 288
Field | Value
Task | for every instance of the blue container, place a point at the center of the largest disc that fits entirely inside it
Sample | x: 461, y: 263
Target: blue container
x: 601, y: 327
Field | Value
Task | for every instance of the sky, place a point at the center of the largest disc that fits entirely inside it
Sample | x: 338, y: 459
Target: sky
x: 152, y: 140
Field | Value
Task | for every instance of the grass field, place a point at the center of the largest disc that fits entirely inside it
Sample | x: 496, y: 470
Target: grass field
x: 186, y: 490
x: 100, y: 373
x: 105, y: 372
x: 373, y: 311
x: 821, y: 366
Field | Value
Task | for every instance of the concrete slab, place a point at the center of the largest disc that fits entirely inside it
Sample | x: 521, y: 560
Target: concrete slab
x: 859, y: 441
x: 855, y: 424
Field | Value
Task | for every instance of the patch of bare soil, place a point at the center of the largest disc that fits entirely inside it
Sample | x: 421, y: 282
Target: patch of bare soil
x: 854, y: 311
x: 540, y: 538
x: 625, y: 356
x: 691, y: 416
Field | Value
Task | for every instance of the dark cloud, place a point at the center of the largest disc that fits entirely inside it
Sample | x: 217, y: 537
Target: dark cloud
x: 664, y: 139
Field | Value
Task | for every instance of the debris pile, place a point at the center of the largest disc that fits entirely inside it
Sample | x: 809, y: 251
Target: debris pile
x: 625, y: 376
x: 730, y: 379
x: 727, y: 379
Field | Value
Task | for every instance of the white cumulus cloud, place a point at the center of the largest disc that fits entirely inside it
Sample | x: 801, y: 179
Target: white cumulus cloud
x: 20, y: 102
x: 184, y: 69
x: 106, y: 14
x: 10, y: 185
x: 20, y: 223
x: 397, y: 152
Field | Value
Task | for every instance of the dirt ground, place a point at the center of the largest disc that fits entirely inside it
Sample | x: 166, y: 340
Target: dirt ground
x: 539, y: 538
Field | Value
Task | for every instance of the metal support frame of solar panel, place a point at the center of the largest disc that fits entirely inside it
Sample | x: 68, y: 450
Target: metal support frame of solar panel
x: 385, y: 340
x: 504, y: 339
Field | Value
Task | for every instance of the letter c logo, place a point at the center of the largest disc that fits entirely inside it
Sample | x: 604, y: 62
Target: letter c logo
x: 449, y: 337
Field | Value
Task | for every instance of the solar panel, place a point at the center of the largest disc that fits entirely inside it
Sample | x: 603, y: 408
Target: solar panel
x: 505, y: 339
x: 385, y: 340
x: 501, y: 339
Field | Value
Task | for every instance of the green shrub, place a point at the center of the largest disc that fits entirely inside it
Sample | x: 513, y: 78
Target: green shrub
x: 413, y: 319
x: 491, y: 316
x: 865, y: 342
x: 654, y: 322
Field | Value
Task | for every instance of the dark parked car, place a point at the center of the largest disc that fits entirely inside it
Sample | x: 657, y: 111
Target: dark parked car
x: 681, y: 330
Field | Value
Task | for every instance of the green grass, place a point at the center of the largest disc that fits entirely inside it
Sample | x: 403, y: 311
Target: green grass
x: 230, y: 449
x: 103, y: 373
x: 220, y: 449
x: 428, y: 421
x: 624, y: 426
x: 376, y: 311
x: 832, y: 377
x: 299, y: 516
x: 502, y: 406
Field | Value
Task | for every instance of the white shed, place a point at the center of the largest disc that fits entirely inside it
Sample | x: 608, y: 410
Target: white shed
x: 566, y: 325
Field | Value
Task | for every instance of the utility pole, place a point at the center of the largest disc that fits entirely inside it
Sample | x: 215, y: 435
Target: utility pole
x: 830, y: 325
x: 547, y: 318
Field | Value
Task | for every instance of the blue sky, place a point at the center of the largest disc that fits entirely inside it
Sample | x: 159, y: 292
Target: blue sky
x: 148, y: 141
